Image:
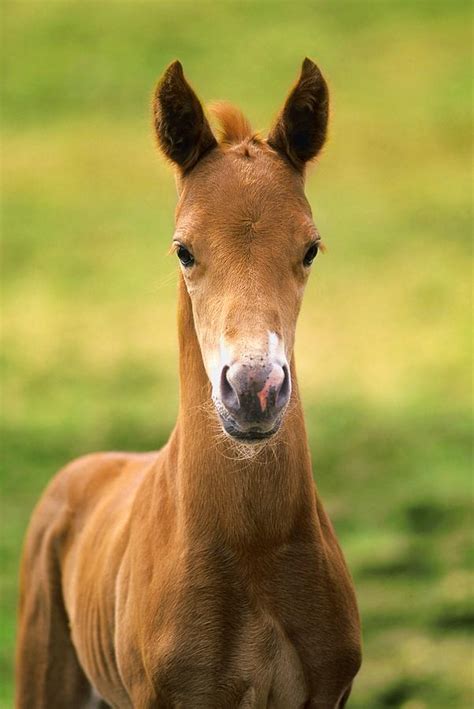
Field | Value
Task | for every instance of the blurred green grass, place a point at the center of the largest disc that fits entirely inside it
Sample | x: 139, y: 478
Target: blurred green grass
x: 89, y: 348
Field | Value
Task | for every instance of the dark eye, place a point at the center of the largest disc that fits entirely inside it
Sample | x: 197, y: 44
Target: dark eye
x: 185, y: 256
x: 310, y: 255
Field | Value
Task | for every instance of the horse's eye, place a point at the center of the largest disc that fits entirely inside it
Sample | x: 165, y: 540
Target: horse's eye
x: 185, y: 256
x: 310, y: 255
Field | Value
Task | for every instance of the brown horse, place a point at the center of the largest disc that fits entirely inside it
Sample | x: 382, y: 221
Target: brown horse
x: 206, y: 575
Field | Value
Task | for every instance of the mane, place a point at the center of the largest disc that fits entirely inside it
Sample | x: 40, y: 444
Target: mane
x: 233, y: 125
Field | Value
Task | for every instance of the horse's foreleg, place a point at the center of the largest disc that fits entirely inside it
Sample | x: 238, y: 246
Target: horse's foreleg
x: 345, y: 697
x: 48, y: 674
x: 327, y: 702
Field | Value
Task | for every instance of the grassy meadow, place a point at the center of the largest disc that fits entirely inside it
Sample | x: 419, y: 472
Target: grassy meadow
x: 89, y: 347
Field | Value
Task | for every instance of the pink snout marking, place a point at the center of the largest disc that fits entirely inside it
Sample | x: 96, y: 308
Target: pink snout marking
x: 273, y: 380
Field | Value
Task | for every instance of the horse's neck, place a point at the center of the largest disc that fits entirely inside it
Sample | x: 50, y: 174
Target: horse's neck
x: 227, y: 494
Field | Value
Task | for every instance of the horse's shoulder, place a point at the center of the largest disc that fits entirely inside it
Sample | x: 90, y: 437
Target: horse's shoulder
x: 81, y: 484
x: 95, y: 472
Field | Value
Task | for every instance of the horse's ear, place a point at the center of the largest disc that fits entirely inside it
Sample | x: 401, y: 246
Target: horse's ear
x: 183, y: 132
x: 300, y: 129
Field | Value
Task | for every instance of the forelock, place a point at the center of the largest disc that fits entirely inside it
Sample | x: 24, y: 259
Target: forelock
x: 234, y: 127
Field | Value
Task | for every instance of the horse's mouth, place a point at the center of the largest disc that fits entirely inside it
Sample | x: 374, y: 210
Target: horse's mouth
x: 251, y: 433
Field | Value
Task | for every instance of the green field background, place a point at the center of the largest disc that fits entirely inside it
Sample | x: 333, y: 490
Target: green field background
x: 89, y: 343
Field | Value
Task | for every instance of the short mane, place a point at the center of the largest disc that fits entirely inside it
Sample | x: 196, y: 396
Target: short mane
x: 233, y: 125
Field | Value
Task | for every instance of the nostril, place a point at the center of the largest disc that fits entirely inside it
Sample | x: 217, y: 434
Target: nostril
x: 228, y: 394
x: 284, y: 391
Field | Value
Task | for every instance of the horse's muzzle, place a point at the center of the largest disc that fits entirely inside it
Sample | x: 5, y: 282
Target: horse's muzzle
x: 252, y: 398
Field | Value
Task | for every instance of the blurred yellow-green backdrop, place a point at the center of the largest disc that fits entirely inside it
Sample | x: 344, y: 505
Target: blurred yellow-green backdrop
x: 89, y: 348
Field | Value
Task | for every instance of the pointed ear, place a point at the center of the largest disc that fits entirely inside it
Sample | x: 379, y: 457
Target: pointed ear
x: 182, y: 130
x: 300, y: 129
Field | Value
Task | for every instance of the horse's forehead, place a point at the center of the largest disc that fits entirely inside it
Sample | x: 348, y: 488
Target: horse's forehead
x: 252, y: 187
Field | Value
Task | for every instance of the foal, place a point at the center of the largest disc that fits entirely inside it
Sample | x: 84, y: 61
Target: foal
x: 207, y: 575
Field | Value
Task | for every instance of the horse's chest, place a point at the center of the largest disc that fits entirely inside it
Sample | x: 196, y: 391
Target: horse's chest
x: 267, y: 666
x: 250, y: 667
x: 286, y: 687
x: 210, y: 636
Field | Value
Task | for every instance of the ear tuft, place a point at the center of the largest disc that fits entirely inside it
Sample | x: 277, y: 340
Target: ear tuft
x: 182, y: 130
x: 300, y: 130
